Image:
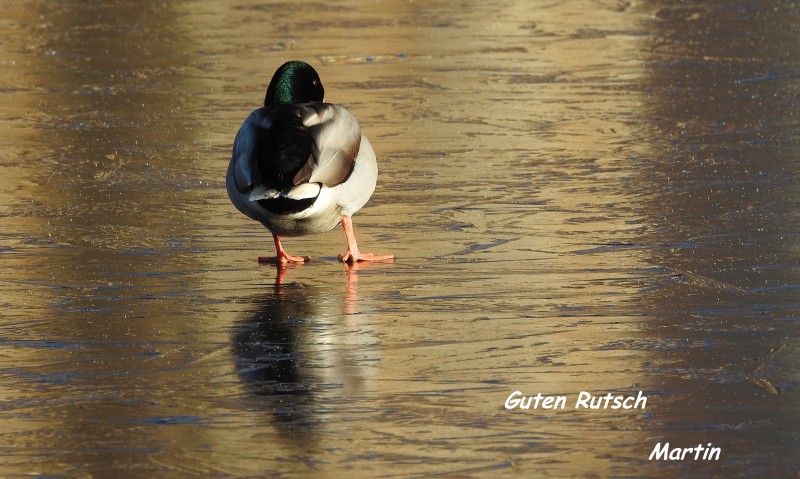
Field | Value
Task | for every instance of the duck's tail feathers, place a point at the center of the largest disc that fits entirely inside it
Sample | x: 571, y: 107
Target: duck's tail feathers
x: 292, y: 201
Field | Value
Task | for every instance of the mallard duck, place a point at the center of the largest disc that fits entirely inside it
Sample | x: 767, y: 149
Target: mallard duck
x: 301, y: 166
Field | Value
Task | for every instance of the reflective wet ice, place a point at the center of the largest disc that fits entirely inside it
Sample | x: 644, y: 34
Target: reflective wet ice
x: 591, y: 196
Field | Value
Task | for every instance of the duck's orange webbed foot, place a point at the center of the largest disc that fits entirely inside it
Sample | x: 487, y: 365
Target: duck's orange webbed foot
x: 282, y: 256
x: 353, y: 255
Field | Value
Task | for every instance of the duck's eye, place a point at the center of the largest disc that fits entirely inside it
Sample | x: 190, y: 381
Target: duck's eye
x: 315, y: 82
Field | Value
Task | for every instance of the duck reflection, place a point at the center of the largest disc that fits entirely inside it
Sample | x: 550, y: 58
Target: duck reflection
x: 303, y: 348
x: 268, y: 356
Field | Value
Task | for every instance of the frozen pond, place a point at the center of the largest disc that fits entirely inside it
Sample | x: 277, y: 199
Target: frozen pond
x: 594, y: 195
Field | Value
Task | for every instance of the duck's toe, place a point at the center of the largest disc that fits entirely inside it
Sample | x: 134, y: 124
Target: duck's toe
x: 373, y: 258
x: 283, y: 259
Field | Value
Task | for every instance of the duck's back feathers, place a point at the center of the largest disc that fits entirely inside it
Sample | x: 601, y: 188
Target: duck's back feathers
x: 282, y: 147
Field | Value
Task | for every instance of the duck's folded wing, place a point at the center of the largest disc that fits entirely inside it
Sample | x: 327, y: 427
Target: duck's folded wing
x: 245, y: 174
x: 336, y: 138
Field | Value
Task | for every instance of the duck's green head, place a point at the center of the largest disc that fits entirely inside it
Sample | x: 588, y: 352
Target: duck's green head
x: 294, y: 82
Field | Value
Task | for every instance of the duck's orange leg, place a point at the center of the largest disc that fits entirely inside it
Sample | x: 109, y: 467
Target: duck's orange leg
x: 282, y: 257
x: 353, y: 255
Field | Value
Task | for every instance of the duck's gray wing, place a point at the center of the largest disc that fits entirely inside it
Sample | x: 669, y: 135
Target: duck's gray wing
x: 245, y: 172
x: 336, y: 138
